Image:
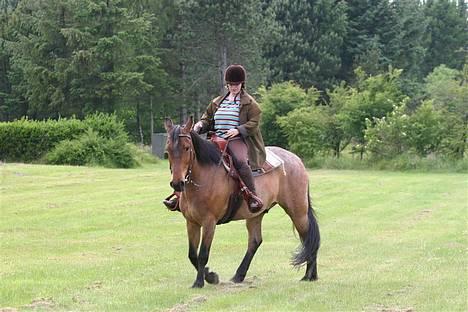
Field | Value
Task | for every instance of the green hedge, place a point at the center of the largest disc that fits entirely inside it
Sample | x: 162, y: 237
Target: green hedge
x: 27, y: 140
x: 95, y: 150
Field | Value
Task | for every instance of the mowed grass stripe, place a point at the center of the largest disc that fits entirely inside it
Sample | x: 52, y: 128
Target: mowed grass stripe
x: 102, y: 241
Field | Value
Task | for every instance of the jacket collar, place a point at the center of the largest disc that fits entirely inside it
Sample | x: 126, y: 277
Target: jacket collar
x: 244, y: 98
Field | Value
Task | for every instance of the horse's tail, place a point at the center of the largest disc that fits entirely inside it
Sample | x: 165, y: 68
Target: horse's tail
x: 311, y: 243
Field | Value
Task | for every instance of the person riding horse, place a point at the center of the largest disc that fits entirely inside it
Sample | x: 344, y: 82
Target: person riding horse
x: 235, y: 117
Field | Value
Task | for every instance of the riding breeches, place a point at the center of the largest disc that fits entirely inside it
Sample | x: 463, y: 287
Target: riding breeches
x: 239, y: 152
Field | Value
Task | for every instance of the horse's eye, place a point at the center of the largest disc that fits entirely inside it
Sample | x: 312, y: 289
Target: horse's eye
x: 187, y: 149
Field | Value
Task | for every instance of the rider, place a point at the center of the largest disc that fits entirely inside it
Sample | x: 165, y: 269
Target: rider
x: 235, y: 117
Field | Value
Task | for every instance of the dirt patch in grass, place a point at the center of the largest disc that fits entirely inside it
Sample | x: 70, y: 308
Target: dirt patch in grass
x: 8, y: 309
x: 95, y: 285
x: 40, y: 303
x: 183, y: 307
x: 384, y: 308
x: 234, y: 287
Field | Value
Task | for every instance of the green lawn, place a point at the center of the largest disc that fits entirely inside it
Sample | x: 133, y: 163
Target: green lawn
x: 92, y: 239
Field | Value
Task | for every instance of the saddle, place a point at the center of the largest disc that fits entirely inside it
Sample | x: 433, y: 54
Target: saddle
x: 272, y: 162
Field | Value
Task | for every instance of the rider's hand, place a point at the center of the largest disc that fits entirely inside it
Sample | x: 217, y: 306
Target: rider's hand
x: 198, y: 127
x: 232, y: 133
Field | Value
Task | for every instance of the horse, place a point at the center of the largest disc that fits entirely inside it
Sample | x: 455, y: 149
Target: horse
x: 205, y: 189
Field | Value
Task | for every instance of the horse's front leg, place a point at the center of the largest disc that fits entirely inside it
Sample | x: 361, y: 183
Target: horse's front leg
x: 203, y: 255
x: 193, y: 231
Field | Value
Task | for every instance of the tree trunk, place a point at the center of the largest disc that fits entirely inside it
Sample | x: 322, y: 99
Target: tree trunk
x: 138, y: 120
x: 223, y: 65
x: 151, y: 115
x: 183, y: 108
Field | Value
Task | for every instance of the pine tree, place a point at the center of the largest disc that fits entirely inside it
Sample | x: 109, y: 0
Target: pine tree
x: 308, y: 44
x: 370, y: 40
x: 210, y: 35
x: 411, y: 37
x: 75, y: 57
x: 448, y: 34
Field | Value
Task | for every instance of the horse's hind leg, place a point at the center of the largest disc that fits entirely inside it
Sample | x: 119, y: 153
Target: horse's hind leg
x: 308, y: 230
x: 254, y: 227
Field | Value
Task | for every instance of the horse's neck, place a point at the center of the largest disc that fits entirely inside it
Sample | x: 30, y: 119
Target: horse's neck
x: 207, y: 175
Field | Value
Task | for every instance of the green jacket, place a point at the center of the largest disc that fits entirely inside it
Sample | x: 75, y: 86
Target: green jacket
x: 249, y: 129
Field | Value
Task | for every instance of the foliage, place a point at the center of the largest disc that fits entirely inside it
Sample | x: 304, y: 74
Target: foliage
x: 386, y: 137
x: 448, y: 89
x: 425, y: 132
x: 278, y: 101
x: 373, y: 97
x: 92, y: 149
x: 315, y: 130
x: 308, y: 43
x: 28, y: 140
x: 447, y: 24
x: 145, y: 60
x: 306, y: 130
x: 371, y: 37
x: 208, y: 36
x: 411, y: 38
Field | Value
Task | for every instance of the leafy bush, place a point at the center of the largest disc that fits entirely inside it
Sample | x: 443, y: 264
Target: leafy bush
x: 278, y: 101
x: 92, y: 149
x: 28, y: 140
x: 307, y: 130
x: 424, y: 132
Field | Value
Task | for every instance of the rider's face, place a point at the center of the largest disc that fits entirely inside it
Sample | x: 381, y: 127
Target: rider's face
x: 234, y: 88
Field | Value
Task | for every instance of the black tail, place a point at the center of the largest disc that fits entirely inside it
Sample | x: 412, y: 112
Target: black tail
x: 307, y: 253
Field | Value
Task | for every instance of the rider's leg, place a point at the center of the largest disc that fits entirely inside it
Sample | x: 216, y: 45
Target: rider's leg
x: 239, y: 152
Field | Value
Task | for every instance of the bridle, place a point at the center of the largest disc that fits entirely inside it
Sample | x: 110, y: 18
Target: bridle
x: 188, y: 176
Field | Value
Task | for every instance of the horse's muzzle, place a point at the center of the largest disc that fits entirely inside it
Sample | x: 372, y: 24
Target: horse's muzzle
x: 178, y: 186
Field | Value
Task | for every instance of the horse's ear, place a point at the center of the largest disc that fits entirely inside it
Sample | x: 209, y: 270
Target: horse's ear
x: 168, y: 124
x: 188, y: 125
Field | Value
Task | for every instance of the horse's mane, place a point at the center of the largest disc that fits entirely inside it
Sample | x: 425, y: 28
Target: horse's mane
x: 207, y: 153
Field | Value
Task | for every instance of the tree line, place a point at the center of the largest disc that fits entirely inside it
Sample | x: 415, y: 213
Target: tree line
x: 144, y: 60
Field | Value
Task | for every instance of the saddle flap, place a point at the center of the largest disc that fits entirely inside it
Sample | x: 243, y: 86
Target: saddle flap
x: 272, y: 162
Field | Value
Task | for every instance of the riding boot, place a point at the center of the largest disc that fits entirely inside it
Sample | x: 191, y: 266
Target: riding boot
x: 255, y: 204
x: 172, y: 203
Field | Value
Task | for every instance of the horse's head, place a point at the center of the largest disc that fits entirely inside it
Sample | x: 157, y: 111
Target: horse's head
x: 180, y: 151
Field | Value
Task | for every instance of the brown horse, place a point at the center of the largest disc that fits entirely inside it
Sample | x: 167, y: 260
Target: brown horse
x: 206, y: 188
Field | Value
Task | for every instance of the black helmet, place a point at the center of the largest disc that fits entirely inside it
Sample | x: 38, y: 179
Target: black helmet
x: 234, y: 74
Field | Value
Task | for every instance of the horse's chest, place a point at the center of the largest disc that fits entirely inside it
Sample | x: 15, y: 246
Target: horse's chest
x: 198, y: 211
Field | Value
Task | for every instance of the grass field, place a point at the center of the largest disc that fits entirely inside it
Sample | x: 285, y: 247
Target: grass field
x: 92, y: 239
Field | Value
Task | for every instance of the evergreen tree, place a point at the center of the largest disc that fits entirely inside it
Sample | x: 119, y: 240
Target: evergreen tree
x: 6, y: 7
x: 447, y: 29
x: 410, y: 38
x: 75, y: 57
x: 308, y: 44
x: 370, y: 41
x: 209, y: 36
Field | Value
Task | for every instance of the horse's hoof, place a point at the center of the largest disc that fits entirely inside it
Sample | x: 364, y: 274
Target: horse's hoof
x: 237, y: 279
x: 198, y: 284
x: 309, y: 279
x: 212, y: 278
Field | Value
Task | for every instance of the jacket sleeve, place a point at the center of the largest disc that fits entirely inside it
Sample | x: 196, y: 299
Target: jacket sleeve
x: 208, y: 117
x: 254, y: 114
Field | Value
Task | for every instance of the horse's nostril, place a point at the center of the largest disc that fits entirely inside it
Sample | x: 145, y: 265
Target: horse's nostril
x: 171, y: 184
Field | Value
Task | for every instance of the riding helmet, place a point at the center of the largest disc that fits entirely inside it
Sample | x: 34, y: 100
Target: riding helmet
x: 234, y: 74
